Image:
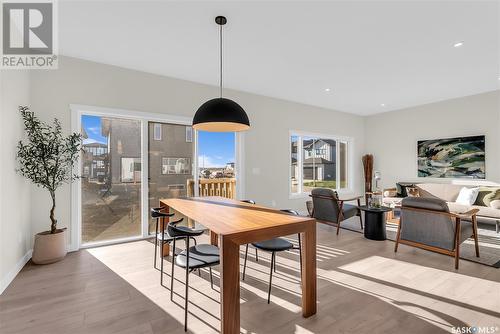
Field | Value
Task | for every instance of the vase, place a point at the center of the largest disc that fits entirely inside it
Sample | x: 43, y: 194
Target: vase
x: 49, y: 247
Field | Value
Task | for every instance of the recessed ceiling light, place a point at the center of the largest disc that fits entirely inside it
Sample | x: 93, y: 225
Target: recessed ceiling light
x: 458, y: 44
x: 327, y: 89
x: 382, y: 104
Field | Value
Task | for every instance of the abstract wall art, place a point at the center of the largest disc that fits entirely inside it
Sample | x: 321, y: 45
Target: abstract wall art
x: 461, y: 157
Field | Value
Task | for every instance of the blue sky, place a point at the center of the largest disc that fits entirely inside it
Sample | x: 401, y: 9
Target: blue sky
x: 92, y: 125
x: 215, y: 149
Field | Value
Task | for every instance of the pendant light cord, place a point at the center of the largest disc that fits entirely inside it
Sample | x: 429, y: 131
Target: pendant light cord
x: 220, y: 82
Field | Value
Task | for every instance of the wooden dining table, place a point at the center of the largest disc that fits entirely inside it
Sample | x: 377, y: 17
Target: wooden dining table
x: 233, y: 223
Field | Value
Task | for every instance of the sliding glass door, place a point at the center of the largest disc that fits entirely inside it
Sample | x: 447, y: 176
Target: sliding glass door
x: 170, y: 162
x: 131, y: 160
x: 111, y: 179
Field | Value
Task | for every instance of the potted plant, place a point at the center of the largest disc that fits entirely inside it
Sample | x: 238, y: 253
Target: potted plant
x: 46, y: 158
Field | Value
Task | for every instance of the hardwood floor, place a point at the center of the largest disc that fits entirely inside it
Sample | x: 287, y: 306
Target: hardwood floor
x: 363, y: 287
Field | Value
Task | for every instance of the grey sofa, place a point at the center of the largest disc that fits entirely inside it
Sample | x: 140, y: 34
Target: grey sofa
x: 449, y: 193
x: 428, y: 223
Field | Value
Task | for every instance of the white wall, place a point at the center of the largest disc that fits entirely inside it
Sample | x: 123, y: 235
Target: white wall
x: 15, y: 195
x: 266, y: 144
x: 392, y: 137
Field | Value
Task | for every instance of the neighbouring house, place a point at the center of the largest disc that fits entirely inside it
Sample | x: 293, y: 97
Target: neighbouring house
x: 124, y: 149
x: 95, y: 161
x: 319, y: 159
x: 170, y: 160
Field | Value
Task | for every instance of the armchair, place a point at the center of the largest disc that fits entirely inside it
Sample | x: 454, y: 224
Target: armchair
x: 427, y: 223
x: 328, y: 208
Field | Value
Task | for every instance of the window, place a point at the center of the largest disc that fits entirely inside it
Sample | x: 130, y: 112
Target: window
x: 318, y: 162
x: 189, y: 134
x: 157, y: 131
x: 131, y: 169
x: 176, y: 166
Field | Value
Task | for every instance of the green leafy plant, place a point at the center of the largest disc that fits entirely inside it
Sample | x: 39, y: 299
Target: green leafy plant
x: 47, y: 157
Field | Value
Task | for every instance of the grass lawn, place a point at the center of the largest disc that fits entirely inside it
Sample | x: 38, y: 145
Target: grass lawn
x: 321, y: 184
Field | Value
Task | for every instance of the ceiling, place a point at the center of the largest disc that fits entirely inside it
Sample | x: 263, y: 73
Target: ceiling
x: 374, y: 56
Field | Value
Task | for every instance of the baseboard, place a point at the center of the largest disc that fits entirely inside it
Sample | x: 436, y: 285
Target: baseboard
x: 4, y: 283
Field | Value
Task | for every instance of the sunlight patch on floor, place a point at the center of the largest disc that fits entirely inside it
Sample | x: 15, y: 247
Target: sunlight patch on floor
x: 133, y: 262
x: 423, y: 291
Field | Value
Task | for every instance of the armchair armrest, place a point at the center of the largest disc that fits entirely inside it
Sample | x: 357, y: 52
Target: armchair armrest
x: 350, y: 199
x: 468, y: 214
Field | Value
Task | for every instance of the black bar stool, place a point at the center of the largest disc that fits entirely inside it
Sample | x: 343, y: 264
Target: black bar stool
x: 192, y: 258
x: 162, y: 237
x: 273, y: 246
x: 157, y: 214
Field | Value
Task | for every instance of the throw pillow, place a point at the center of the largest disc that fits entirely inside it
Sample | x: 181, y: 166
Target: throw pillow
x: 401, y: 188
x: 486, y: 195
x: 492, y: 196
x: 495, y: 204
x: 467, y: 196
x: 412, y: 192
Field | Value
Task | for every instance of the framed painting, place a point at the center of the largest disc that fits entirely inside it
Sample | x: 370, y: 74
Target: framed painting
x: 461, y: 157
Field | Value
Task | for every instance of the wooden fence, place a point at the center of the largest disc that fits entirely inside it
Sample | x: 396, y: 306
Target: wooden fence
x: 224, y: 187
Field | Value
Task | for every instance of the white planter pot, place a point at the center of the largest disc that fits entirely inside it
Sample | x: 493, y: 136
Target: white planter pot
x: 49, y: 248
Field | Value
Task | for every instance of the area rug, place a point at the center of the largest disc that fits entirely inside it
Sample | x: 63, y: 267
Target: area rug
x: 489, y: 242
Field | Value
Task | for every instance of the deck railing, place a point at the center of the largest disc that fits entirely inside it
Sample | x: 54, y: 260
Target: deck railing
x: 224, y: 187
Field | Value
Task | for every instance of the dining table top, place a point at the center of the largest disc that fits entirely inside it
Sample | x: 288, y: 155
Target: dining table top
x: 228, y: 216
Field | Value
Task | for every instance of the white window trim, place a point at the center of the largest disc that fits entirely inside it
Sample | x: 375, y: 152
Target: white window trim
x: 300, y: 133
x: 77, y: 110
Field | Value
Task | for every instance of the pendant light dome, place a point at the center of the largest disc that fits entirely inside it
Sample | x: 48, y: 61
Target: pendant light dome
x: 221, y: 114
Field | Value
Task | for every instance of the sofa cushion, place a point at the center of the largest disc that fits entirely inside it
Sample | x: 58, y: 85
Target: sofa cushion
x: 458, y: 208
x: 486, y: 195
x: 495, y: 204
x: 392, y: 200
x: 448, y: 192
x: 483, y: 210
x: 390, y: 193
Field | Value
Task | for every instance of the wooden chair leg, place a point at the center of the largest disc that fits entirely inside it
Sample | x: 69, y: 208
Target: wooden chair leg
x: 457, y: 243
x: 397, y: 237
x: 338, y: 227
x: 360, y: 214
x: 474, y: 229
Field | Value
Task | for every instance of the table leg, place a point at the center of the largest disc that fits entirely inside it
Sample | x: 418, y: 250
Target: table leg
x: 229, y: 286
x: 214, y: 238
x: 309, y: 271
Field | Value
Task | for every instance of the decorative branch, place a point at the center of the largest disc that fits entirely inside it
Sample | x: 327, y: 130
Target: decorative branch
x: 47, y: 157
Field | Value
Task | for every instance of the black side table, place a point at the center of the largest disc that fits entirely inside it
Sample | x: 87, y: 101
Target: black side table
x: 375, y: 222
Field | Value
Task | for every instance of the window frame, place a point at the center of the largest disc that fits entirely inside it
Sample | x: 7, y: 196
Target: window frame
x: 301, y: 134
x: 157, y: 131
x: 170, y: 165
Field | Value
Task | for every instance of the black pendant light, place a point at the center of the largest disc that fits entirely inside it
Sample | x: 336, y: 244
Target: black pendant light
x: 221, y: 114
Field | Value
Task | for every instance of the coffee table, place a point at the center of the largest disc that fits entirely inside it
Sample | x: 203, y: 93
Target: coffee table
x: 375, y: 222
